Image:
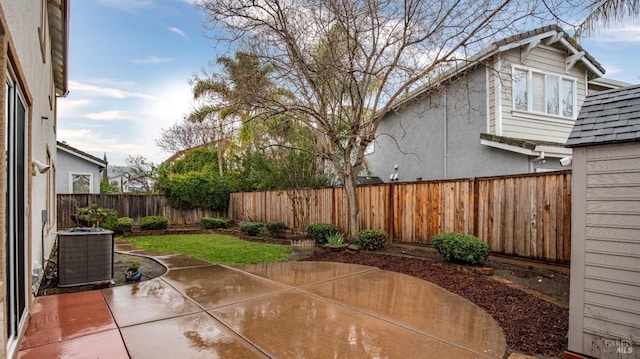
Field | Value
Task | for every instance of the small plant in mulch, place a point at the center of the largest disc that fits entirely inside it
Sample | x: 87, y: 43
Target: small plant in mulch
x: 214, y: 223
x: 335, y: 239
x: 276, y: 228
x: 462, y: 248
x: 252, y: 228
x: 320, y: 231
x: 154, y: 222
x: 372, y: 239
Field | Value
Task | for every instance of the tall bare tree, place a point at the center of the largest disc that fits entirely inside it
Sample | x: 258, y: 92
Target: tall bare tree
x: 141, y: 172
x: 184, y: 135
x: 346, y: 62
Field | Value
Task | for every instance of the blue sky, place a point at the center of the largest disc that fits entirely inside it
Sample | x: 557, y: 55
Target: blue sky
x: 130, y: 62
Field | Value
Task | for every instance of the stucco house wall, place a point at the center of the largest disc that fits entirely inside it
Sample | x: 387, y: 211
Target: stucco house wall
x: 71, y: 162
x: 436, y: 137
x: 467, y: 125
x: 33, y: 39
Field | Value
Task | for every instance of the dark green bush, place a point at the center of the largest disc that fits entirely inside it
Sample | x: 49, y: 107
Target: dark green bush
x: 276, y: 228
x: 459, y: 247
x: 194, y: 190
x: 372, y: 239
x: 154, y: 222
x: 120, y: 225
x: 252, y: 228
x: 211, y: 223
x: 320, y: 231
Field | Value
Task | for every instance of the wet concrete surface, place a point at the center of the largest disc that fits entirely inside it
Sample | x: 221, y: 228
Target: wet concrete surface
x: 281, y: 310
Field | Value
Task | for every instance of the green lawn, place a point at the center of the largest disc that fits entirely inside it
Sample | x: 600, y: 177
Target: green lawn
x: 216, y: 248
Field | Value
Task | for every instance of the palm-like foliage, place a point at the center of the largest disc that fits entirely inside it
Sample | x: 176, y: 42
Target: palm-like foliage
x: 605, y: 12
x: 226, y: 98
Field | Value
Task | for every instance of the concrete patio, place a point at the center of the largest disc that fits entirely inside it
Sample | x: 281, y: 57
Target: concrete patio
x: 282, y: 310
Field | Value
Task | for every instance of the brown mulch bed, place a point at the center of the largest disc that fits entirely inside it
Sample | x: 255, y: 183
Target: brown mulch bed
x: 530, y: 325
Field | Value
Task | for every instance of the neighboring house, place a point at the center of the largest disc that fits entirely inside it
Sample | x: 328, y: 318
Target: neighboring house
x: 78, y: 171
x: 604, y: 307
x: 118, y: 177
x: 34, y: 39
x: 507, y: 110
x: 129, y: 179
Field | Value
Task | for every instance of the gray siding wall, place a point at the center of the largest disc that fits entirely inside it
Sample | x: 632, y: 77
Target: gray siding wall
x: 68, y: 164
x: 432, y: 141
x: 605, y: 261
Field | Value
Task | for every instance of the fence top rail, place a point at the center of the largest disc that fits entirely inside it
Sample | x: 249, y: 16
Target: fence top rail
x: 455, y: 180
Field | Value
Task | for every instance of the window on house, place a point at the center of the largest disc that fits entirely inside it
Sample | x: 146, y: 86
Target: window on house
x: 80, y: 183
x: 543, y: 93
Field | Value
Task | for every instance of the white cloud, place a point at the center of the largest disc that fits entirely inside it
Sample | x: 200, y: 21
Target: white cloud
x: 127, y: 5
x: 612, y: 69
x: 629, y: 33
x: 178, y: 31
x: 152, y: 60
x: 68, y: 107
x: 109, y: 115
x: 119, y: 129
x: 89, y: 141
x: 96, y: 90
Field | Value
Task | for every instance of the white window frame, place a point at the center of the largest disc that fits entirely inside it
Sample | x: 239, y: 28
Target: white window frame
x: 547, y: 74
x: 72, y: 174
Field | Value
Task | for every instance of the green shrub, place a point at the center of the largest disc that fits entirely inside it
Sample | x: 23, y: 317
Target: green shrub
x: 335, y: 239
x: 252, y: 228
x: 459, y: 247
x: 372, y: 239
x: 212, y: 223
x: 320, y: 231
x: 154, y: 222
x: 106, y: 187
x: 194, y: 190
x: 276, y: 228
x: 120, y: 225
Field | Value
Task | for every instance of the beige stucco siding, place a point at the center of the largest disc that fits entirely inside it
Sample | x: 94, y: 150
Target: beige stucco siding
x: 28, y: 55
x: 534, y: 126
x: 605, y: 305
x: 24, y: 18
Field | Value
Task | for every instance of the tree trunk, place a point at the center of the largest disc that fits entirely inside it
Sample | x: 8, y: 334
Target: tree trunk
x: 220, y: 158
x: 352, y: 202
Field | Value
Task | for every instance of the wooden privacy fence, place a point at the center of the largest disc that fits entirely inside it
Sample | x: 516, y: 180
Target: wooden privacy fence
x: 523, y: 215
x: 135, y: 206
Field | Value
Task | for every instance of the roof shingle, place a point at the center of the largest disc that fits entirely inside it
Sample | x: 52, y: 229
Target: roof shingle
x: 606, y: 117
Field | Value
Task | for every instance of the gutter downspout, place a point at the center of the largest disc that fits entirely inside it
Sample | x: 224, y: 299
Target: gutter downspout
x: 445, y: 134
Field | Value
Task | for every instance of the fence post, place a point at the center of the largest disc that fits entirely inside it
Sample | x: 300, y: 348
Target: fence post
x: 476, y: 204
x: 390, y: 221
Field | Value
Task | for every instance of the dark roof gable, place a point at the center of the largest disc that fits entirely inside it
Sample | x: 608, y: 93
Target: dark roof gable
x: 611, y: 116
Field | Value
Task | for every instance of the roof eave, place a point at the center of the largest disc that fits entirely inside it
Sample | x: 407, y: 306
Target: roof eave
x: 58, y: 11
